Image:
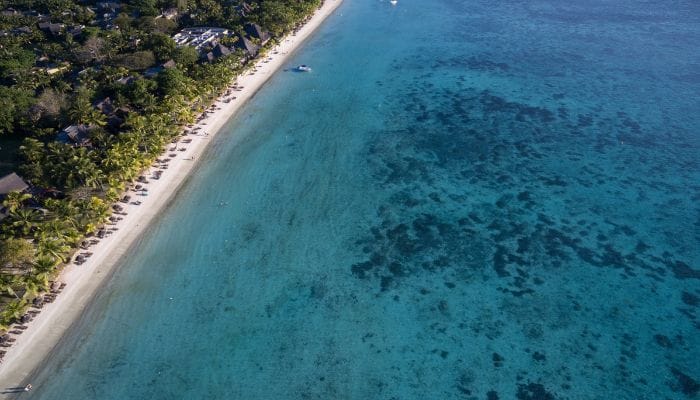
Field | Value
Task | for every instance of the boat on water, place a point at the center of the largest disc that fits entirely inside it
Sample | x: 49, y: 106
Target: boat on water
x: 393, y: 2
x: 304, y: 68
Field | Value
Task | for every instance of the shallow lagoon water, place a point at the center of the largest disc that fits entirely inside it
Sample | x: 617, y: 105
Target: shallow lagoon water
x: 463, y: 200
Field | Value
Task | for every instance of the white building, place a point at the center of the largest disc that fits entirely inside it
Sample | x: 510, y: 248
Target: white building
x: 199, y: 37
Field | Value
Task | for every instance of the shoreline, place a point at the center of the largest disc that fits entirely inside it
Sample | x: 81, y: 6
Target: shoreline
x: 83, y: 281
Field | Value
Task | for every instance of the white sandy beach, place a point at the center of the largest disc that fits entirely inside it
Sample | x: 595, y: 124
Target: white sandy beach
x: 83, y: 281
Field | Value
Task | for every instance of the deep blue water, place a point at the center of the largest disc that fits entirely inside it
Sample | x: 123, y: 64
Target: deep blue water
x: 464, y: 200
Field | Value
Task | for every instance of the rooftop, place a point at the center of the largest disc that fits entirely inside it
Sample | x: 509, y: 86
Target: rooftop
x: 199, y: 37
x: 12, y: 183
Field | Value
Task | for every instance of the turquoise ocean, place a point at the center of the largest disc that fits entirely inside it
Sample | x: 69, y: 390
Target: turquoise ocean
x: 463, y: 200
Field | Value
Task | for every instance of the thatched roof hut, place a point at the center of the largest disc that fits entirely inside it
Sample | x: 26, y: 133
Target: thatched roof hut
x: 12, y: 183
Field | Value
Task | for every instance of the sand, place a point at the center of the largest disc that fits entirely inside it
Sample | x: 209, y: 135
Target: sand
x: 83, y: 281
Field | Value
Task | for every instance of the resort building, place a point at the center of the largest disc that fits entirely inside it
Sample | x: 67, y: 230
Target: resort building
x: 200, y: 37
x: 206, y: 40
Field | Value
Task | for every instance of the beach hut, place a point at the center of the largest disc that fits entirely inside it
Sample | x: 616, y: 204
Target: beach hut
x: 248, y: 47
x: 51, y: 28
x: 220, y: 50
x: 105, y: 106
x: 78, y: 135
x: 255, y: 31
x: 23, y: 30
x: 11, y: 183
x: 126, y: 80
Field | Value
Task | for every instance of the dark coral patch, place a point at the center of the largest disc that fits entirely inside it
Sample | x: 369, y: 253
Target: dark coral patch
x: 385, y: 283
x: 500, y: 261
x: 497, y: 360
x: 663, y: 341
x: 690, y: 299
x: 684, y: 384
x: 361, y: 269
x: 533, y: 391
x: 682, y: 270
x: 524, y: 196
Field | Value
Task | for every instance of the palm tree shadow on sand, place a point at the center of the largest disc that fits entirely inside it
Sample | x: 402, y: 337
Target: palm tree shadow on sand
x: 17, y: 389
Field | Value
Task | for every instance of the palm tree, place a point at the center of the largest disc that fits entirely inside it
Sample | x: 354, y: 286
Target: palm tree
x: 90, y: 211
x: 33, y: 154
x: 7, y: 282
x: 45, y: 265
x: 15, y: 200
x: 52, y: 248
x: 24, y: 220
x: 100, y: 138
x: 94, y: 178
x: 81, y: 169
x: 119, y: 161
x: 53, y: 229
x: 80, y: 109
x: 94, y: 117
x: 34, y: 284
x: 64, y: 209
x: 178, y: 106
x: 13, y: 311
x: 149, y: 102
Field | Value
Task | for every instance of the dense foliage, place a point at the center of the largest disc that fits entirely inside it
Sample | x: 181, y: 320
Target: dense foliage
x: 59, y: 61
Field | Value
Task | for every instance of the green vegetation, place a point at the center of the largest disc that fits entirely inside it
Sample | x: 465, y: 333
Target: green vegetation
x: 98, y: 68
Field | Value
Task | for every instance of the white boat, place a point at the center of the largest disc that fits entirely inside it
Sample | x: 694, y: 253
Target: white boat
x: 393, y: 2
x: 304, y: 68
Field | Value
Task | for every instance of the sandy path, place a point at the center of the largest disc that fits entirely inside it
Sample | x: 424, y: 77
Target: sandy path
x: 45, y: 331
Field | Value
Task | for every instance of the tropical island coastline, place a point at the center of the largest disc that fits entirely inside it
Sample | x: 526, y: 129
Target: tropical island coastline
x: 147, y: 196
